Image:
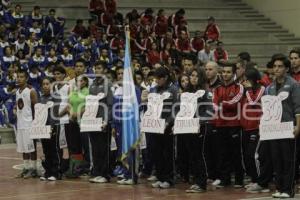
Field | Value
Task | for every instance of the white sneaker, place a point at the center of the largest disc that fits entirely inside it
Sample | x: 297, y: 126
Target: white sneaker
x: 216, y: 182
x: 285, y: 195
x: 156, y: 184
x: 98, y: 179
x: 43, y: 178
x: 276, y: 195
x: 195, y: 189
x: 52, y: 178
x: 255, y: 188
x: 125, y: 182
x: 165, y: 185
x: 152, y: 178
x: 248, y: 185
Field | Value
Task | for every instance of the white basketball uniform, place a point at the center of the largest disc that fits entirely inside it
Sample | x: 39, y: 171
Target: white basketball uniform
x: 24, y: 121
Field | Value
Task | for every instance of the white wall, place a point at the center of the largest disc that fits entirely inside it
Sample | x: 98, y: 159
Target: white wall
x: 284, y: 12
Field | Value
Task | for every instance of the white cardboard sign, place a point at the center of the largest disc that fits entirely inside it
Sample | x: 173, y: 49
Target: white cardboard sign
x: 151, y: 121
x: 185, y: 122
x: 271, y: 127
x: 39, y: 129
x: 89, y: 121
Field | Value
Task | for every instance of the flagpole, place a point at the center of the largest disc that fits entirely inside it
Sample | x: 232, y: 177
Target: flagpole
x: 132, y: 153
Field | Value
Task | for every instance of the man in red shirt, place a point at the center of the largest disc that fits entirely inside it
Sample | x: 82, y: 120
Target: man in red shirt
x: 161, y: 24
x: 197, y: 42
x: 226, y: 99
x: 212, y: 31
x: 183, y: 43
x: 295, y: 63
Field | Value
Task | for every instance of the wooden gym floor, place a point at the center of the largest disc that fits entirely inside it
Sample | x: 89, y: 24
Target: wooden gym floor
x: 19, y: 189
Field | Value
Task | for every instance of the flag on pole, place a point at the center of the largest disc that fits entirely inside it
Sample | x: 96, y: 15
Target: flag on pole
x: 130, y: 106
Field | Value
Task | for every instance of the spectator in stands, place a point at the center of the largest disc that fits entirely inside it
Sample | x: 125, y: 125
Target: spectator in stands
x: 105, y: 20
x: 175, y: 19
x: 147, y: 20
x: 94, y: 30
x: 8, y: 96
x: 267, y: 77
x: 183, y: 43
x: 153, y: 55
x: 295, y: 64
x: 21, y: 58
x: 66, y: 57
x: 117, y: 42
x: 212, y: 31
x: 35, y: 29
x: 241, y: 66
x: 96, y: 7
x: 8, y: 58
x: 21, y: 44
x: 110, y: 7
x: 80, y: 29
x: 182, y: 26
x: 188, y: 64
x: 132, y: 16
x: 220, y: 54
x: 54, y: 25
x: 49, y: 70
x: 105, y: 56
x: 197, y: 42
x: 244, y: 56
x: 35, y: 77
x: 32, y: 44
x: 11, y: 76
x: 161, y: 24
x: 52, y: 56
x: 18, y: 15
x: 206, y: 54
x: 35, y: 16
x: 165, y: 53
x: 38, y: 59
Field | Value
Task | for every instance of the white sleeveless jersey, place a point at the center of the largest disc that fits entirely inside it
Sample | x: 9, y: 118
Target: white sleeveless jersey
x: 63, y: 93
x: 24, y: 109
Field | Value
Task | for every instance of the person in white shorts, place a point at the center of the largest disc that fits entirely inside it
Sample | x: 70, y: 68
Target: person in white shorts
x: 26, y: 98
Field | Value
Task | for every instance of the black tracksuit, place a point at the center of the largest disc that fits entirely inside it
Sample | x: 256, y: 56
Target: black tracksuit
x: 100, y: 141
x: 283, y: 151
x: 51, y: 148
x: 163, y: 144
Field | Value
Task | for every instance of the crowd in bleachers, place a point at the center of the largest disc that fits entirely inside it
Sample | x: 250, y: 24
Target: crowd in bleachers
x: 166, y: 57
x: 37, y: 42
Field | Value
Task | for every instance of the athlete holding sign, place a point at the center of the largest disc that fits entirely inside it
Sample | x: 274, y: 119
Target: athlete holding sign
x: 163, y: 143
x: 284, y: 150
x: 194, y: 143
x: 100, y: 140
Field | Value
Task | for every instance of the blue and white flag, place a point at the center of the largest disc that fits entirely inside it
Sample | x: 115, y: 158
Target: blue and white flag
x: 130, y: 106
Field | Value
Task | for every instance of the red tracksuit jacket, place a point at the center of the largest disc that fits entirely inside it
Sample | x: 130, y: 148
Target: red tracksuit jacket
x: 251, y: 108
x: 212, y: 32
x: 226, y: 101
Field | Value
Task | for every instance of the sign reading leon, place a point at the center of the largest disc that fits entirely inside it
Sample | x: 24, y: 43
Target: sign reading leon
x: 271, y: 127
x: 151, y: 121
x: 89, y: 121
x: 39, y: 129
x: 185, y: 121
